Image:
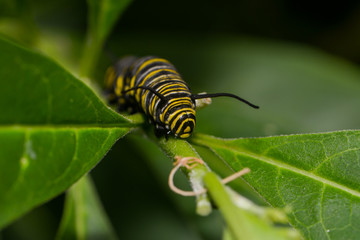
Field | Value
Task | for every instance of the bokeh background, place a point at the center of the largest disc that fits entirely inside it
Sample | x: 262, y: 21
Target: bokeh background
x: 298, y: 60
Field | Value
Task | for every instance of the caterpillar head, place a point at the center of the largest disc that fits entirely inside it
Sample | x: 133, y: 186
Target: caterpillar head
x: 180, y: 121
x: 183, y: 124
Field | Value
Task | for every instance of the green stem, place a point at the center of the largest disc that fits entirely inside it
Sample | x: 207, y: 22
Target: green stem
x: 176, y: 147
x: 90, y: 55
x: 241, y: 223
x: 226, y: 206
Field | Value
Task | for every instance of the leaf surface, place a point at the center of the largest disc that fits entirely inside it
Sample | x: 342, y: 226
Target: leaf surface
x: 84, y: 216
x: 53, y: 129
x: 317, y: 175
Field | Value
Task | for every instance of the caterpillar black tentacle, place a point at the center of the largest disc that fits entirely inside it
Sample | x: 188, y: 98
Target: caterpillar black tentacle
x: 153, y: 86
x: 213, y: 95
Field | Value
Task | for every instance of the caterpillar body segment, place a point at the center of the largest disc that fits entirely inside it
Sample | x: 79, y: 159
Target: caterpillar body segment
x: 153, y: 86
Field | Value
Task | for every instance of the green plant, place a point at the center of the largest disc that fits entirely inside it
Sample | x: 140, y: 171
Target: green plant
x: 55, y: 128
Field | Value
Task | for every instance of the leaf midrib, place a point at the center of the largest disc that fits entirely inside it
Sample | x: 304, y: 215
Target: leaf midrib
x: 286, y: 166
x: 68, y: 126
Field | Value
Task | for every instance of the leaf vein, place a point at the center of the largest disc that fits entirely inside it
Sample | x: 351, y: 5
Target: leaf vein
x: 333, y: 156
x: 290, y: 168
x: 321, y: 211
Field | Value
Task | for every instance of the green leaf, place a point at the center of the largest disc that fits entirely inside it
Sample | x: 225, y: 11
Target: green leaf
x: 243, y: 224
x: 102, y: 17
x: 53, y: 129
x: 317, y: 175
x: 84, y: 217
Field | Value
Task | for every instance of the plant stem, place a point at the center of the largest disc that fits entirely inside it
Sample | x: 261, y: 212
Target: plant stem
x: 240, y: 223
x: 176, y: 147
x: 90, y: 55
x: 226, y: 206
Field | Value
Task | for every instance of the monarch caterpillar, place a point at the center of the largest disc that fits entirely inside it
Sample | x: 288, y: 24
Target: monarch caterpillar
x: 153, y: 86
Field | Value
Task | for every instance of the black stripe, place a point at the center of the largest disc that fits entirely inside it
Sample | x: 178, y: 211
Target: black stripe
x: 124, y: 63
x: 122, y: 69
x: 172, y: 87
x: 145, y: 71
x: 175, y: 94
x: 187, y: 124
x: 181, y: 119
x: 154, y: 64
x: 179, y: 113
x: 158, y: 84
x: 165, y: 73
x: 148, y: 99
x: 138, y: 63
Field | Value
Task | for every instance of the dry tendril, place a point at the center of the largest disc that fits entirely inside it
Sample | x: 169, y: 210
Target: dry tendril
x: 190, y: 163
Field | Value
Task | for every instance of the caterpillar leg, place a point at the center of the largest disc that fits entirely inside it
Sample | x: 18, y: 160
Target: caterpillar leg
x: 110, y: 96
x: 161, y: 131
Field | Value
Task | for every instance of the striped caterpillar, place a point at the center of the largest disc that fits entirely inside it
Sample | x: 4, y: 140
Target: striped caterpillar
x: 153, y: 86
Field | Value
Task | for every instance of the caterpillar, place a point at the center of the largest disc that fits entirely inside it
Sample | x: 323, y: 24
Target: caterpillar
x: 152, y: 85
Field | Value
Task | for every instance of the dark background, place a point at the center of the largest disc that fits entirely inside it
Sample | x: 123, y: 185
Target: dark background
x: 333, y: 27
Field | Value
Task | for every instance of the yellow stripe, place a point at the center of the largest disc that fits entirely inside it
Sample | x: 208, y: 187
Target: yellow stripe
x: 180, y: 88
x: 173, y: 102
x: 137, y: 93
x: 151, y: 108
x: 182, y: 124
x: 144, y: 98
x: 119, y: 86
x: 150, y: 61
x: 178, y: 100
x: 163, y: 78
x: 109, y: 77
x: 172, y: 85
x: 162, y: 115
x: 187, y: 129
x: 177, y: 118
x: 156, y: 71
x: 128, y: 79
x: 155, y: 99
x: 184, y: 92
x: 185, y: 135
